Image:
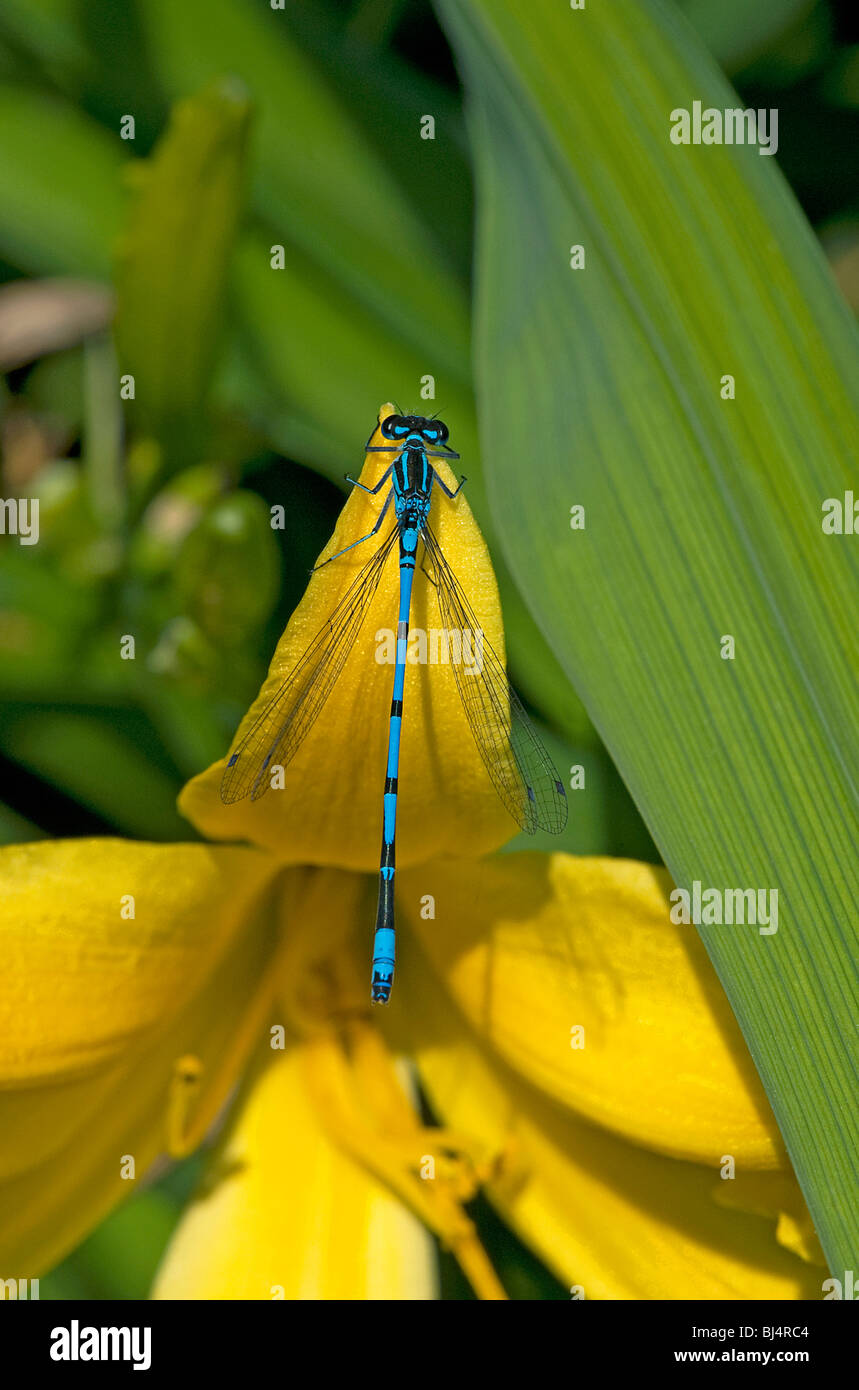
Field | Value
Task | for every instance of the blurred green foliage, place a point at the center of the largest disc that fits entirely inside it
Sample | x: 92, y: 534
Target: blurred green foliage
x: 253, y: 129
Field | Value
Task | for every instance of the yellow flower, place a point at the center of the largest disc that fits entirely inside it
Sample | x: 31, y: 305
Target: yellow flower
x: 575, y: 1045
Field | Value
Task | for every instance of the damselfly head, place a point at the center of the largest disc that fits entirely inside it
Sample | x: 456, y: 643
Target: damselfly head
x: 401, y: 426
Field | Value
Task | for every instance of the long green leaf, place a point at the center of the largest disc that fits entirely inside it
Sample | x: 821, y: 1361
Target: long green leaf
x: 703, y: 515
x: 173, y: 265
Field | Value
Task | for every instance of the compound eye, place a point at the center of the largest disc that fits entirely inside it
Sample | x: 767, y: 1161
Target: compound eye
x: 393, y: 427
x: 436, y: 433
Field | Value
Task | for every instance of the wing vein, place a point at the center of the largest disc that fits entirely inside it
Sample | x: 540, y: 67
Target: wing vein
x: 276, y: 735
x: 518, y: 764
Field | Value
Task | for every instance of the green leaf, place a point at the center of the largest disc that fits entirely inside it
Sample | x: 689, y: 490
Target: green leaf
x: 119, y: 1259
x: 172, y: 265
x: 15, y: 829
x: 703, y: 515
x: 48, y: 35
x: 736, y: 33
x: 102, y: 449
x: 60, y: 195
x: 389, y: 97
x: 72, y: 751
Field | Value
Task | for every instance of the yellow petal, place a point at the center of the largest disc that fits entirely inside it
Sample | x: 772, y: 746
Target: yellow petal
x: 536, y: 947
x: 81, y: 978
x: 98, y: 1012
x: 330, y: 808
x: 612, y: 1220
x: 284, y: 1214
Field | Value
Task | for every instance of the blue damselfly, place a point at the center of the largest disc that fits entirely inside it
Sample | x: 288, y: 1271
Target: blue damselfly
x: 515, y: 759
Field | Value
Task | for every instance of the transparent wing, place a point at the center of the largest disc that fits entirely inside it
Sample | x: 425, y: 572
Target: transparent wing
x: 521, y: 769
x: 275, y: 737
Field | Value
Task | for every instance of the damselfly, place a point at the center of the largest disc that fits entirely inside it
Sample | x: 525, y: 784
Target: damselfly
x: 515, y: 759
